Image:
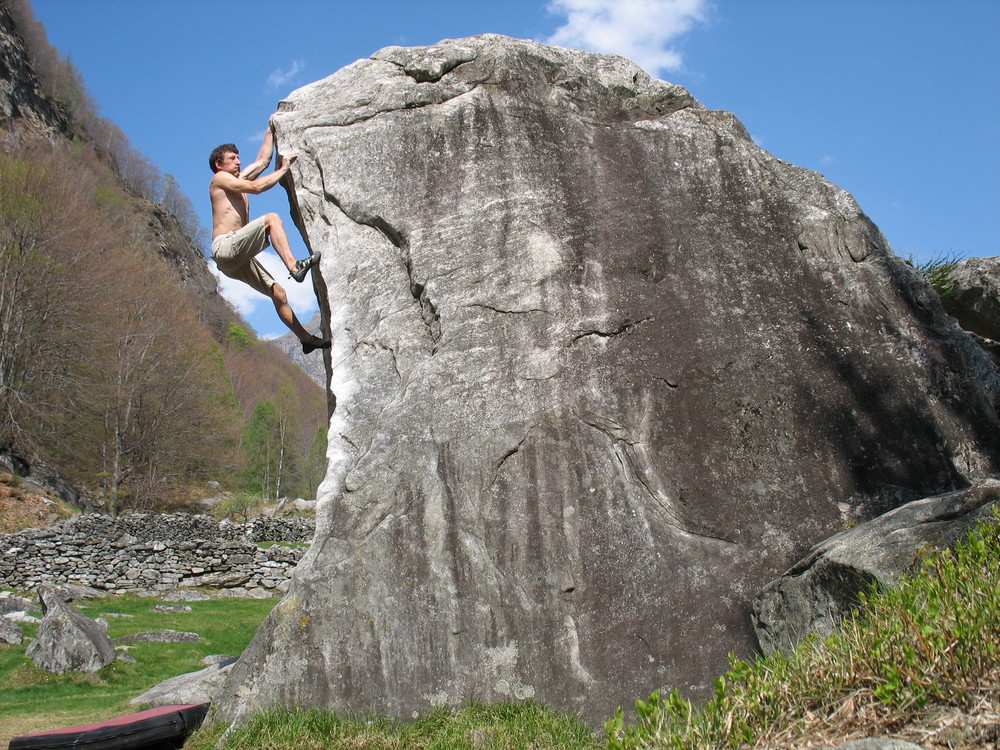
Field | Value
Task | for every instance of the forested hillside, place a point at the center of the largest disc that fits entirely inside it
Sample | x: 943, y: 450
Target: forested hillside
x: 120, y: 363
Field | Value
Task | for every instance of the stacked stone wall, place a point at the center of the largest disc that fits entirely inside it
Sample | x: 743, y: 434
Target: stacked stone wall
x: 150, y: 552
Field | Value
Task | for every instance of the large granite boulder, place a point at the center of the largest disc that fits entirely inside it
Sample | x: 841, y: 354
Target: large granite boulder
x: 602, y: 368
x: 822, y: 588
x: 68, y: 640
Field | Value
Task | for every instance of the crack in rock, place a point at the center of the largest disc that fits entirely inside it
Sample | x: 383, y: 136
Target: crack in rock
x: 508, y: 312
x: 418, y: 290
x: 626, y: 326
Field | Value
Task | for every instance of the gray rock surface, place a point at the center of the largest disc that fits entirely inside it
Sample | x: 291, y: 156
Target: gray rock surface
x: 11, y: 602
x: 602, y: 368
x: 816, y: 593
x: 68, y: 640
x: 975, y: 300
x: 193, y: 687
x: 159, y: 636
x: 182, y: 595
x: 877, y: 743
x: 21, y: 97
x: 10, y: 632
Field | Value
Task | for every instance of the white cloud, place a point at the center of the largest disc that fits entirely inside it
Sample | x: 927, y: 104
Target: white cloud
x: 641, y: 30
x: 246, y: 300
x: 236, y: 293
x: 302, y: 297
x: 280, y: 77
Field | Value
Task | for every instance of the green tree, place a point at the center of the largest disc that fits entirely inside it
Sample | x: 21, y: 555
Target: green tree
x: 260, y: 444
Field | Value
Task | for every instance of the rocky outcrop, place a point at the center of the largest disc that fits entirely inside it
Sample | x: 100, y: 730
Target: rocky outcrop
x: 974, y: 300
x: 21, y: 97
x: 68, y: 640
x: 602, y: 368
x: 820, y: 590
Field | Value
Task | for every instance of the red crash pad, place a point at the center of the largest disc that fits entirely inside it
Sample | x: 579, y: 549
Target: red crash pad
x: 163, y: 728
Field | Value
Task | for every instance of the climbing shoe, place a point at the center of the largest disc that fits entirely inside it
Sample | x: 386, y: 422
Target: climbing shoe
x: 315, y: 343
x: 302, y: 267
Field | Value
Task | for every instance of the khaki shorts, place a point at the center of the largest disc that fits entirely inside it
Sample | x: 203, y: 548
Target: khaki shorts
x: 234, y: 253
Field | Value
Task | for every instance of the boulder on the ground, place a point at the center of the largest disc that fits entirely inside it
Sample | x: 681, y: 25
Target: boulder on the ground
x: 602, y: 367
x: 72, y: 591
x: 11, y: 602
x: 193, y: 687
x: 68, y: 640
x: 819, y: 591
x: 159, y: 636
x: 10, y: 632
x: 185, y: 595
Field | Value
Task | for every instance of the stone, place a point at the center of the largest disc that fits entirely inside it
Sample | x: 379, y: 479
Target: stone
x: 242, y: 593
x: 602, y: 368
x: 171, y: 608
x: 22, y: 617
x: 974, y: 300
x: 182, y: 595
x: 218, y: 659
x: 10, y: 632
x: 222, y: 578
x: 822, y: 588
x: 877, y: 743
x: 160, y: 636
x: 68, y: 640
x: 73, y: 591
x: 186, y: 689
x: 11, y: 602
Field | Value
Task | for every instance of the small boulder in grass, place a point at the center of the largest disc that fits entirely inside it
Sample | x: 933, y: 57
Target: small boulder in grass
x: 160, y: 636
x: 68, y: 640
x: 10, y: 632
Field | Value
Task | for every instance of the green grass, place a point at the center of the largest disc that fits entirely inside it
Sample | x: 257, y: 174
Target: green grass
x: 939, y: 272
x: 499, y: 726
x: 933, y: 642
x: 34, y: 701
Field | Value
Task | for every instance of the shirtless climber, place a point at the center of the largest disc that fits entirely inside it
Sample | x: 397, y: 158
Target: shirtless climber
x: 236, y: 240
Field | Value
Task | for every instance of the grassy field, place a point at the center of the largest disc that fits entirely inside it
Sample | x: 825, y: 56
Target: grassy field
x: 35, y: 701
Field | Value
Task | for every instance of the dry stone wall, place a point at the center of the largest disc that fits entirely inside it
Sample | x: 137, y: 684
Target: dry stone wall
x: 149, y: 552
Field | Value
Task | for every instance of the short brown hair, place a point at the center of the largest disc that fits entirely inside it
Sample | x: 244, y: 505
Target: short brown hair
x: 219, y: 152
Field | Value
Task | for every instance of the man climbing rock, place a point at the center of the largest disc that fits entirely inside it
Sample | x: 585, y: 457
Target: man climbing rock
x: 236, y: 240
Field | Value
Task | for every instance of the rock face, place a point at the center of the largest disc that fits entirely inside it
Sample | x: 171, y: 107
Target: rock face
x: 816, y: 593
x: 975, y: 300
x: 68, y: 640
x: 21, y: 97
x: 602, y: 368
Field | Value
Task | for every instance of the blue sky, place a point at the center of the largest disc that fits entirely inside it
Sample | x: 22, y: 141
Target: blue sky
x: 896, y: 101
